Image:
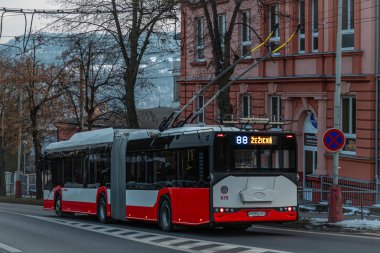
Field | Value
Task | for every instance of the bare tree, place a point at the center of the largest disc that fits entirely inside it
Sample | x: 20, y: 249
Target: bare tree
x: 10, y: 122
x: 39, y: 86
x: 98, y: 64
x: 131, y: 24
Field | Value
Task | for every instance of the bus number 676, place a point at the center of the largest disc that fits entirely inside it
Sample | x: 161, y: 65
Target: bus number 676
x: 224, y: 197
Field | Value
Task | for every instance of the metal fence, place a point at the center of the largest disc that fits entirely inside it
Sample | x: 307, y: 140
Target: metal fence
x: 28, y: 184
x: 358, y: 196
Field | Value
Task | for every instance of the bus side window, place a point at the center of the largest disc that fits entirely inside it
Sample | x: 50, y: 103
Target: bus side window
x: 158, y: 169
x: 204, y: 169
x: 47, y: 174
x: 149, y: 168
x: 131, y: 175
x: 56, y: 171
x: 67, y: 172
x: 187, y: 167
x: 170, y: 166
x: 164, y: 168
x: 77, y: 172
x: 91, y: 172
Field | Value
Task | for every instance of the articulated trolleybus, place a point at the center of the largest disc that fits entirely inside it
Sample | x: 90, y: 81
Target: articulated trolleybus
x: 193, y: 175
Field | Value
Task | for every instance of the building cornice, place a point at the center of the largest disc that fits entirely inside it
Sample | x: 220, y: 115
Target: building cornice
x: 293, y: 79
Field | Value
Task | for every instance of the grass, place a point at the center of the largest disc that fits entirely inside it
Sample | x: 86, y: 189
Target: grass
x: 24, y: 201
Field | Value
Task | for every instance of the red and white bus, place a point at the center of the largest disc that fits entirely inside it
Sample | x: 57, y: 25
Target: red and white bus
x: 210, y: 175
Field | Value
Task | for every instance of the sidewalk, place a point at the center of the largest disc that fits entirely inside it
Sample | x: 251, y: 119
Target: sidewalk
x: 351, y: 223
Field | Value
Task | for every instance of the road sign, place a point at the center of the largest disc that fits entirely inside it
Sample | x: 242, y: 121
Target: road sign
x: 333, y: 140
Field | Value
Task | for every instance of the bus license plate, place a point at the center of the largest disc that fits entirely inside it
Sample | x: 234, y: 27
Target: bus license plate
x: 256, y: 214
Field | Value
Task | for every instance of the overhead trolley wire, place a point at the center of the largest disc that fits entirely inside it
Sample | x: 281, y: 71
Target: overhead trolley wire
x: 168, y: 123
x: 194, y: 115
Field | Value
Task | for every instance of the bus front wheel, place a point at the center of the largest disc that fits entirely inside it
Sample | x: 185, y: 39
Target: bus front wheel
x: 102, y: 210
x: 165, y: 221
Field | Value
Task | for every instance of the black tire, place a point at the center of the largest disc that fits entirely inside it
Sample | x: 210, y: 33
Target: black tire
x: 102, y: 210
x: 165, y: 216
x: 58, y: 206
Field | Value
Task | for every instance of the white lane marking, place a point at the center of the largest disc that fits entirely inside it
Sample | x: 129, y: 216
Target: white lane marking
x: 158, y: 240
x: 369, y: 236
x: 301, y: 231
x: 9, y: 248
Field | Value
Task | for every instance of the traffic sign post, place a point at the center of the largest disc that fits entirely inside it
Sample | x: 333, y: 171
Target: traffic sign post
x: 334, y: 140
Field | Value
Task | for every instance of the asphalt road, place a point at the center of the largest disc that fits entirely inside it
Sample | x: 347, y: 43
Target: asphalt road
x: 30, y: 229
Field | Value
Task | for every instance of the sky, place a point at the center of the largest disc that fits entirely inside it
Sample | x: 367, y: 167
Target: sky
x: 14, y: 25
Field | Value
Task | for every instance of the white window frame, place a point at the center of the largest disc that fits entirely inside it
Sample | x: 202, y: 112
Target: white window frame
x: 201, y: 102
x: 301, y: 36
x: 276, y: 36
x: 246, y: 27
x: 313, y: 23
x: 349, y: 30
x: 278, y: 98
x: 246, y: 97
x: 200, y: 43
x: 222, y: 27
x: 350, y: 134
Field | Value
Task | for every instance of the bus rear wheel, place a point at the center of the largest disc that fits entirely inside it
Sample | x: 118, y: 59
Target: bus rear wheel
x: 165, y: 216
x: 102, y: 210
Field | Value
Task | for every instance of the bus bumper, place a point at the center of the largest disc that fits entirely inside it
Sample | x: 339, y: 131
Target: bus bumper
x: 247, y: 215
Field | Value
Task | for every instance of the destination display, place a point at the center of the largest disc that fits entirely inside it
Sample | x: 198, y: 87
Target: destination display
x: 255, y: 140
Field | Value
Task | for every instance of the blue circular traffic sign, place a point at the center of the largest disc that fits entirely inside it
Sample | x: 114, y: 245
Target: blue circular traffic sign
x: 333, y: 140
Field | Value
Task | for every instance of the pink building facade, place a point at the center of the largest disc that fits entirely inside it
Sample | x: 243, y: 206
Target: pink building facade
x: 298, y: 83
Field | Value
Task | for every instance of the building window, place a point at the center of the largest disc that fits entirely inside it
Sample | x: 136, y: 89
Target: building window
x: 246, y: 106
x: 275, y: 110
x: 301, y: 33
x: 222, y: 28
x: 348, y: 25
x: 201, y: 116
x: 245, y: 32
x: 274, y: 19
x: 314, y: 24
x: 349, y: 123
x: 200, y: 46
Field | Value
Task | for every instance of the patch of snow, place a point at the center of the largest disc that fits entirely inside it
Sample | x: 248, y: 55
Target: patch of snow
x: 153, y: 59
x: 360, y: 224
x: 318, y: 221
x: 307, y: 208
x: 353, y: 224
x: 350, y: 210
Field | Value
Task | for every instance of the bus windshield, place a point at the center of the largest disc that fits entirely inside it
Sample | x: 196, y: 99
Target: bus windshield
x: 277, y: 156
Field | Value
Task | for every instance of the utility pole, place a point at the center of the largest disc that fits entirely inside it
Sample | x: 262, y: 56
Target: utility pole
x: 2, y: 151
x: 24, y: 147
x: 18, y: 175
x: 335, y: 203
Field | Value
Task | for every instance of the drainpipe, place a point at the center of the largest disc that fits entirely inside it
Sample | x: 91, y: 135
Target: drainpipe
x: 377, y: 34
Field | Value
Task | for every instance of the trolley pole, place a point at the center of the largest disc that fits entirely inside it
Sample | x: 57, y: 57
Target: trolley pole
x: 335, y: 203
